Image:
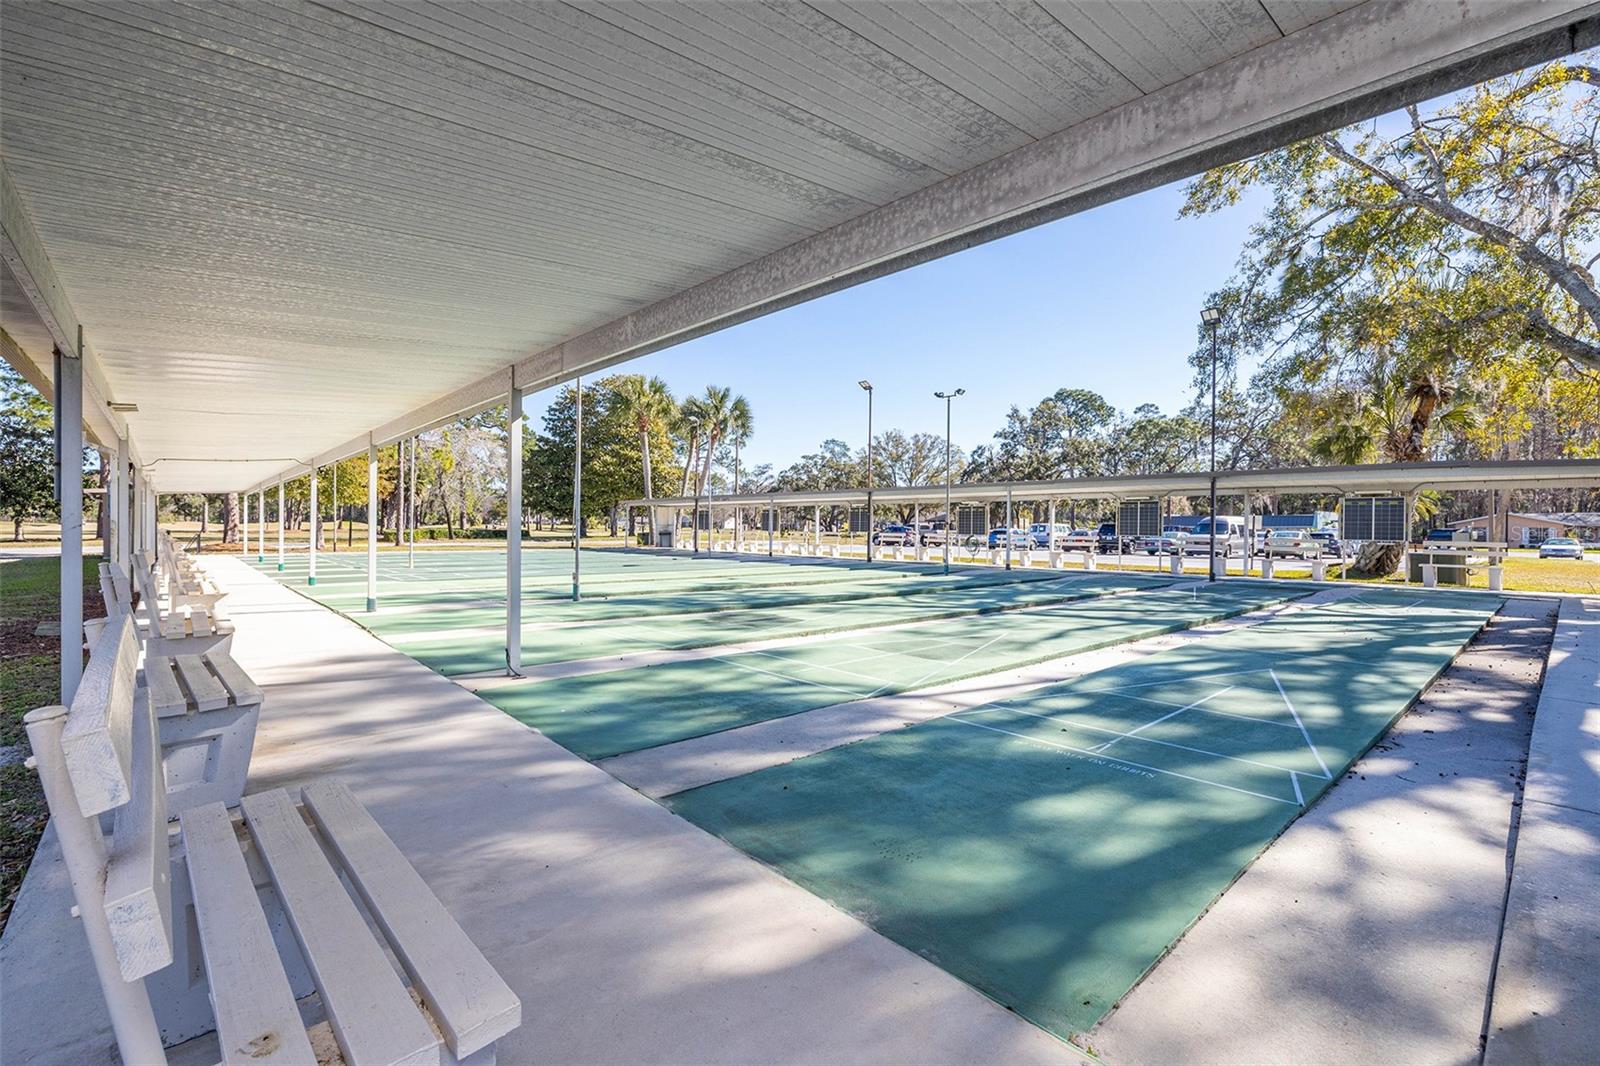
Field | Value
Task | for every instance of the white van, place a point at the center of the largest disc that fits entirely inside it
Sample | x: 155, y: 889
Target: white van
x: 1230, y: 536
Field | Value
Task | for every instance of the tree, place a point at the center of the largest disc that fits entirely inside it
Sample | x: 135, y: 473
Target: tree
x: 1462, y: 234
x: 1411, y: 269
x: 613, y: 451
x: 648, y: 403
x: 27, y: 452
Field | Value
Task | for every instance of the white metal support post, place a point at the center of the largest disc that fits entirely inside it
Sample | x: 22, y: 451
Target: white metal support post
x: 244, y: 526
x: 261, y: 526
x: 577, y: 499
x: 280, y: 525
x: 316, y: 533
x: 411, y: 504
x: 372, y: 526
x: 1008, y: 527
x: 514, y: 533
x: 400, y: 493
x: 124, y: 551
x: 69, y: 492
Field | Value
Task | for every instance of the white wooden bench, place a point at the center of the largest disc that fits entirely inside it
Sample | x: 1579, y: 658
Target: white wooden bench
x: 206, y: 711
x: 439, y: 1001
x: 179, y: 630
x: 186, y: 586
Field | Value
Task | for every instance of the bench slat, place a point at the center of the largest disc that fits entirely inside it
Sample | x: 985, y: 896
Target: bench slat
x: 206, y: 691
x: 370, y: 1011
x: 166, y: 697
x: 468, y: 999
x: 257, y: 1021
x: 138, y: 892
x: 244, y: 691
x: 97, y: 739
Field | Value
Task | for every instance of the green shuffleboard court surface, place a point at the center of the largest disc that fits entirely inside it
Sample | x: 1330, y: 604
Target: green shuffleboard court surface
x: 1050, y: 848
x: 600, y: 715
x: 466, y: 589
x: 467, y: 651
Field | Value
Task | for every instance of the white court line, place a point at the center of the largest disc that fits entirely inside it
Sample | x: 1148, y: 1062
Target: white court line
x: 1163, y: 718
x: 875, y: 678
x: 1203, y: 710
x: 1119, y: 734
x: 1125, y: 762
x: 784, y: 677
x: 912, y: 686
x: 1294, y: 778
x: 1326, y: 773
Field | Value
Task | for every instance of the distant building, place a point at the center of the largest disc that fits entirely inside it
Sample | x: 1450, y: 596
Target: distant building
x: 1535, y: 528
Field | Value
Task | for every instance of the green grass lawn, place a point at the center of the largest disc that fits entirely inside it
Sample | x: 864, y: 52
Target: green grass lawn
x: 30, y: 673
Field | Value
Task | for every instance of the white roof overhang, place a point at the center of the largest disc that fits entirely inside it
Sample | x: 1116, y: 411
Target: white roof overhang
x: 291, y: 229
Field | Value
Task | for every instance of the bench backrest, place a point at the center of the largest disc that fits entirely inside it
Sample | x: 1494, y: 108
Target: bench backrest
x: 103, y: 754
x: 114, y: 591
x: 144, y: 574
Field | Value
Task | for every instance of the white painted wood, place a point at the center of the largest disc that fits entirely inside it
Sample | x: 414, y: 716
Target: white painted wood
x: 138, y: 894
x: 370, y: 1011
x: 469, y: 1001
x: 166, y: 696
x: 83, y: 851
x: 206, y: 693
x: 240, y: 688
x: 257, y: 1021
x: 97, y: 740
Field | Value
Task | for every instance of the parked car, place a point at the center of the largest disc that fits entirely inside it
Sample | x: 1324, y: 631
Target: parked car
x: 1560, y: 548
x: 1171, y: 540
x: 1019, y: 537
x: 1076, y: 540
x: 1229, y: 538
x: 1042, y: 535
x: 1439, y: 536
x: 896, y: 534
x: 1292, y: 543
x: 1107, y: 542
x: 1329, y: 540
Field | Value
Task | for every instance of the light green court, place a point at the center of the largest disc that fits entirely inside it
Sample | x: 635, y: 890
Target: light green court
x: 1049, y: 849
x: 600, y: 715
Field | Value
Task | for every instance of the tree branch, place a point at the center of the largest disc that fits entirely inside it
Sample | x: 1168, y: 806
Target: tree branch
x: 1563, y: 274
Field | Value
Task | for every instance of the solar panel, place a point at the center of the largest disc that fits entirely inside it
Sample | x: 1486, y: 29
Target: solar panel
x: 1375, y: 518
x: 971, y: 520
x: 1139, y: 518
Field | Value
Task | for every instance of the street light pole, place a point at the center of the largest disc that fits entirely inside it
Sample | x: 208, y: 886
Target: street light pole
x: 1212, y: 316
x: 867, y: 385
x: 947, y: 397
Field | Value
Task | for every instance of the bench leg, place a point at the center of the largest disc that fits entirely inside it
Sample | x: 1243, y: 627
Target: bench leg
x: 206, y: 756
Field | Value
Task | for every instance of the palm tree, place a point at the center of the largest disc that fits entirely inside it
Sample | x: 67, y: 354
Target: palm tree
x: 648, y: 402
x: 726, y: 416
x: 690, y: 424
x: 741, y: 423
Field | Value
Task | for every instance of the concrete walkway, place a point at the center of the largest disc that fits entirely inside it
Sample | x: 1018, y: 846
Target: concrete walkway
x: 1547, y: 987
x: 1367, y: 932
x: 630, y: 934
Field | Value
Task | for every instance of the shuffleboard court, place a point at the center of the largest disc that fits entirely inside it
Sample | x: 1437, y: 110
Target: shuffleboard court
x: 467, y: 651
x: 441, y: 592
x: 1050, y: 848
x: 600, y: 715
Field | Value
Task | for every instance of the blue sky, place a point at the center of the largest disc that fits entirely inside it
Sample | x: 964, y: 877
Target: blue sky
x: 1105, y: 300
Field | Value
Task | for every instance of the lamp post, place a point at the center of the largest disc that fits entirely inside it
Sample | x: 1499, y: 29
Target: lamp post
x: 1212, y: 316
x: 947, y: 397
x: 867, y: 386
